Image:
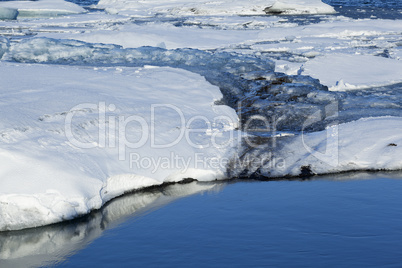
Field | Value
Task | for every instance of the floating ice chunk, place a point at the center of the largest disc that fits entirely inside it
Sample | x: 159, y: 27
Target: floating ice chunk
x: 346, y: 71
x: 8, y: 13
x: 294, y: 7
x: 287, y: 67
x: 43, y: 8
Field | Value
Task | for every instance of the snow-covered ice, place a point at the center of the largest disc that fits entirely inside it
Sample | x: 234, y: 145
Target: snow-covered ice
x: 292, y: 7
x: 54, y: 170
x: 202, y: 7
x: 8, y: 13
x: 42, y: 8
x: 362, y: 71
x: 365, y: 144
x: 97, y: 72
x: 52, y: 242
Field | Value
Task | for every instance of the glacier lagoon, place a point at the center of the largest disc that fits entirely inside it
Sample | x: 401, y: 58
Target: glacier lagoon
x: 262, y: 87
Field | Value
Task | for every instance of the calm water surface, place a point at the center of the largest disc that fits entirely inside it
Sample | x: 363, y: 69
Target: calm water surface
x: 351, y: 220
x: 335, y: 221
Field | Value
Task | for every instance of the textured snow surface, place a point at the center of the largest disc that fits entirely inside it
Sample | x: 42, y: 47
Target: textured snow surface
x: 202, y: 7
x: 362, y: 71
x: 293, y: 7
x: 365, y: 144
x: 42, y: 8
x: 48, y: 176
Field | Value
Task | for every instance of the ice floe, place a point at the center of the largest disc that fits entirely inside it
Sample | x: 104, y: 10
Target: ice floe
x: 75, y: 138
x: 292, y: 7
x: 344, y: 71
x: 42, y: 8
x: 202, y: 7
x: 365, y: 144
x: 8, y: 13
x: 35, y: 247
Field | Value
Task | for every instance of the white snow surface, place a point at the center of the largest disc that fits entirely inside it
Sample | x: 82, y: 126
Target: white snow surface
x: 365, y: 144
x: 202, y: 7
x: 49, y: 244
x: 346, y: 72
x: 167, y: 36
x: 292, y: 7
x: 48, y: 176
x: 42, y: 8
x: 45, y: 178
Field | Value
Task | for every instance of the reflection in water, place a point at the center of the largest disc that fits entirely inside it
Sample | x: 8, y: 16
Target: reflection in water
x: 55, y: 243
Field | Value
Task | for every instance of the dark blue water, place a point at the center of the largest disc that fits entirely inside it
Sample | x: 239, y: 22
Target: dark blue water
x: 365, y: 3
x: 84, y: 2
x: 362, y: 9
x: 333, y: 221
x: 349, y: 220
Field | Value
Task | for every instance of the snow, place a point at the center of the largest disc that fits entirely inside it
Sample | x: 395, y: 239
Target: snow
x: 202, y: 7
x: 365, y: 144
x: 8, y: 13
x: 34, y: 247
x: 42, y: 8
x: 292, y: 7
x: 49, y: 175
x: 167, y: 36
x: 97, y: 61
x: 345, y: 72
